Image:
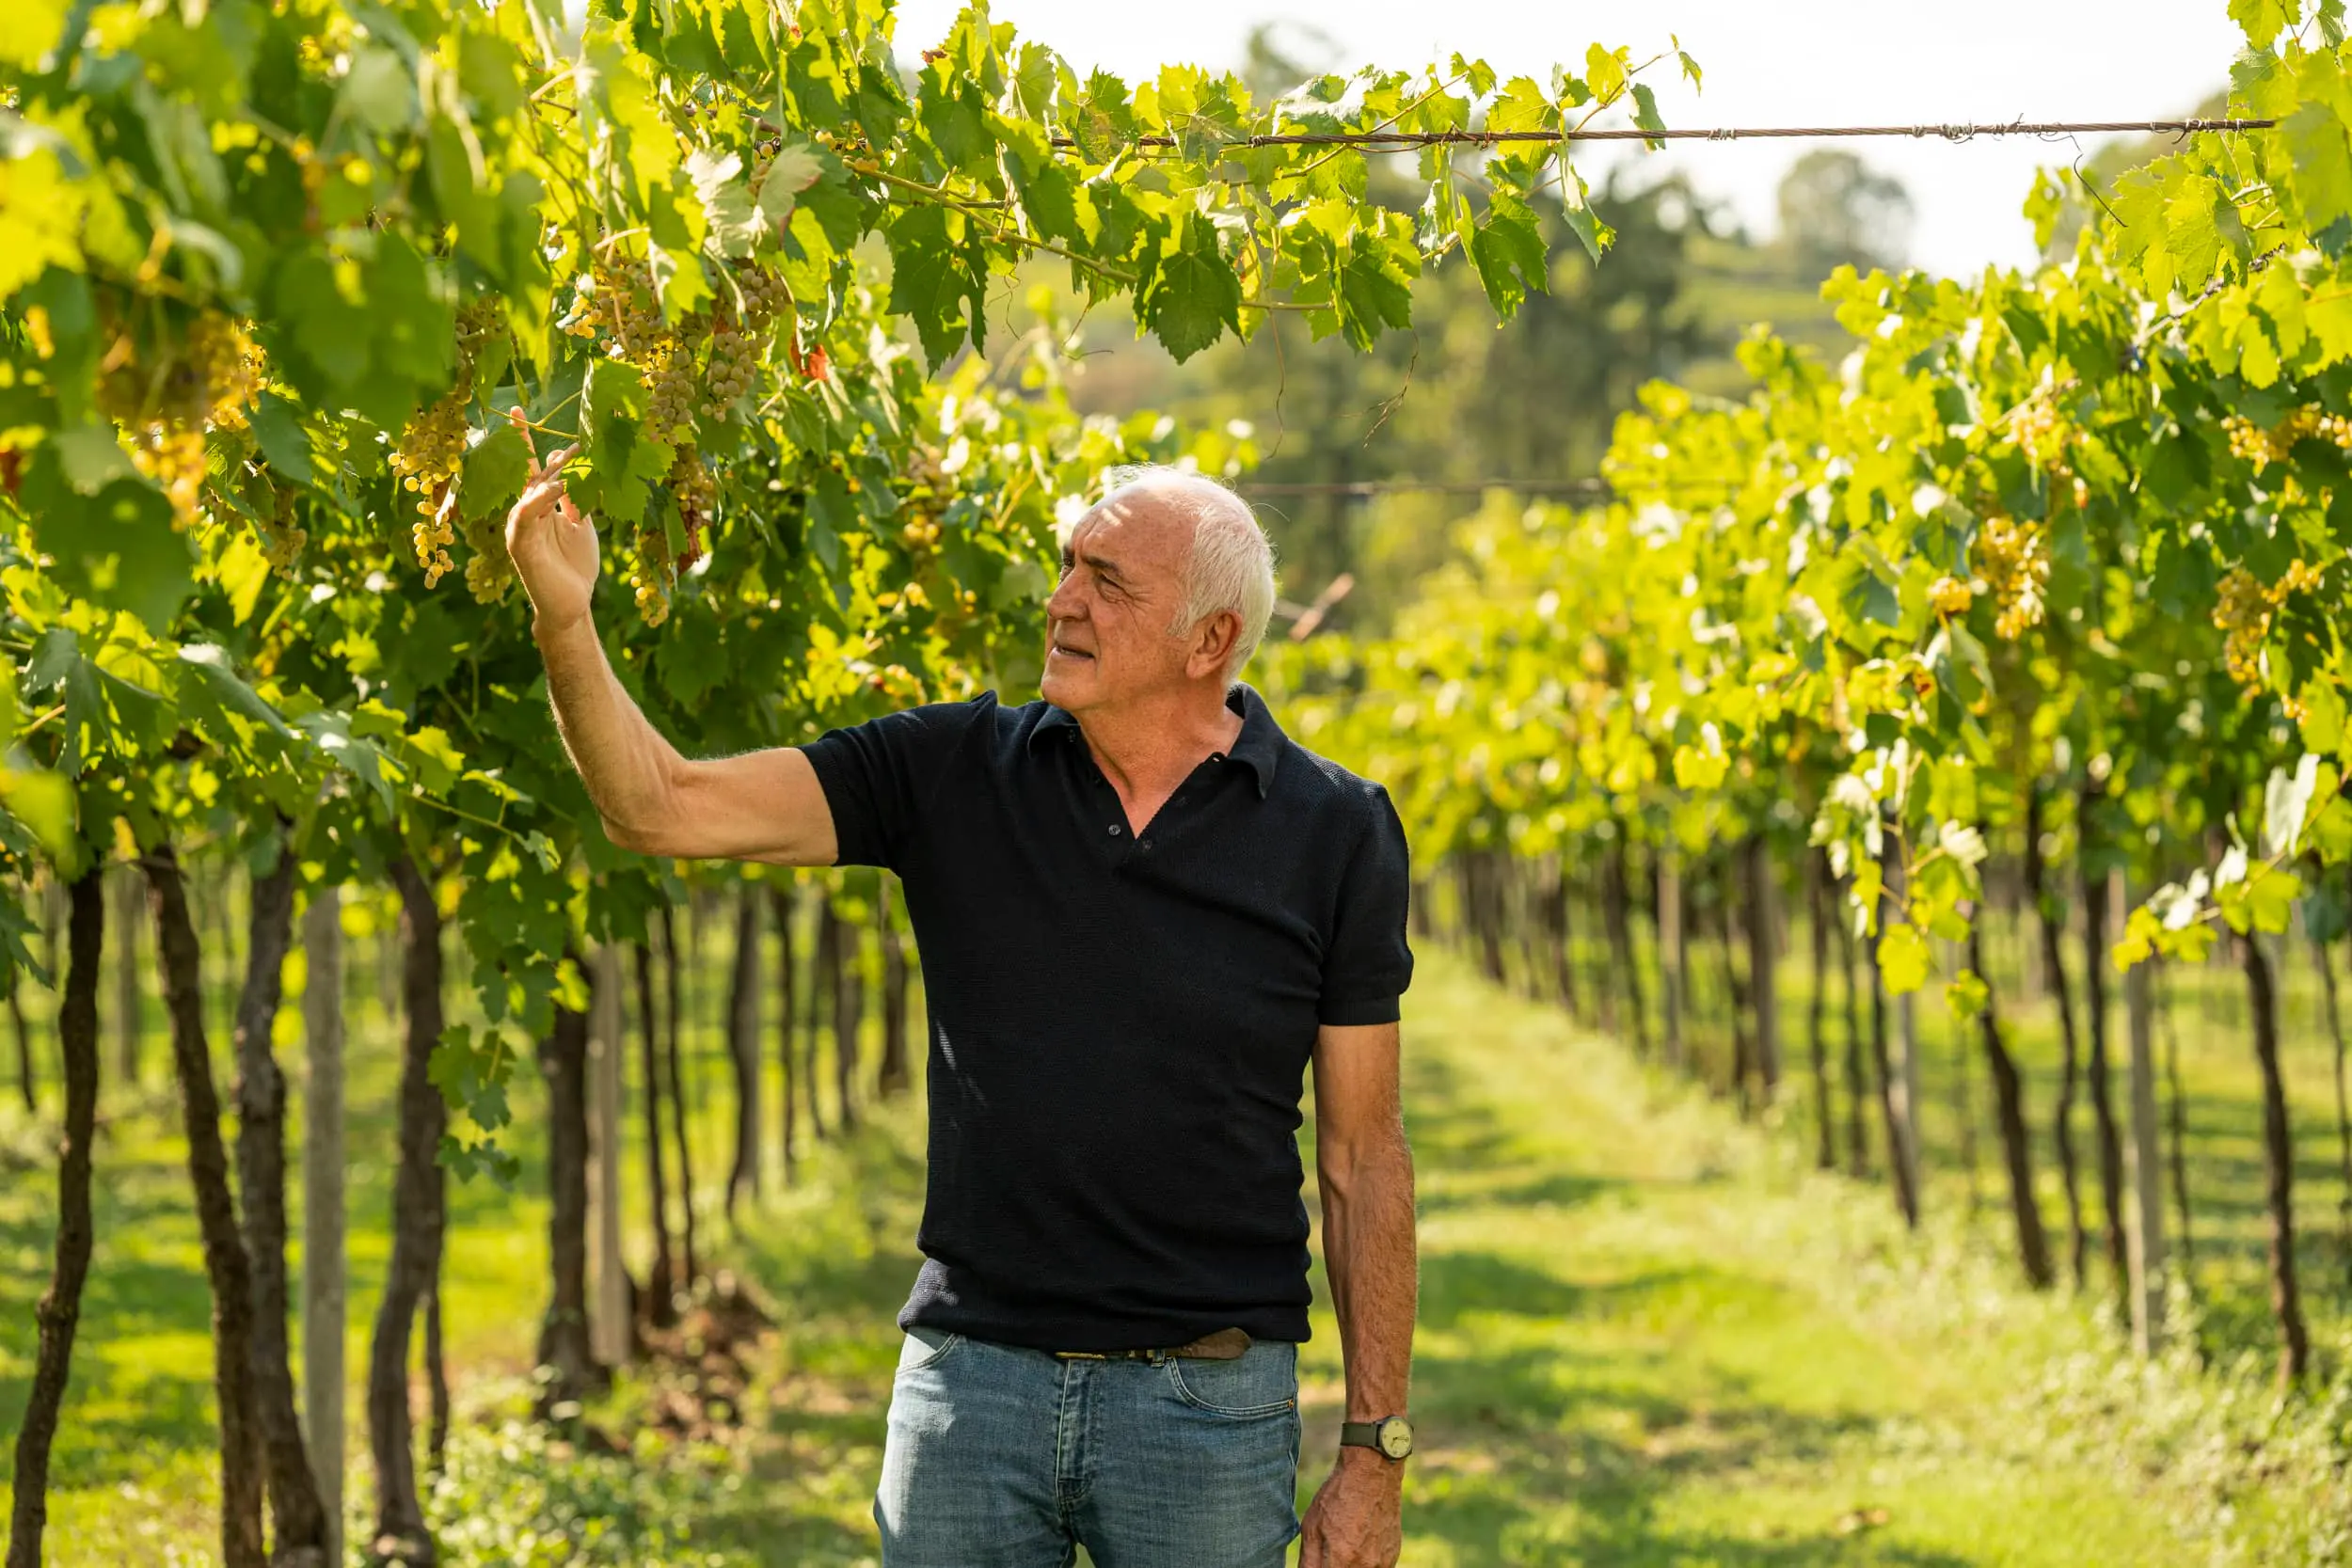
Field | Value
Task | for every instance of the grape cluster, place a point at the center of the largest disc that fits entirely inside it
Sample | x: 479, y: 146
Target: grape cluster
x: 2251, y: 443
x: 739, y: 345
x: 489, y: 570
x: 697, y: 496
x: 209, y: 379
x: 426, y: 460
x: 2013, y: 562
x: 282, y: 538
x: 1948, y: 595
x: 432, y: 445
x: 652, y: 575
x: 2037, y: 430
x: 2246, y: 612
x: 620, y: 307
x: 226, y: 367
x: 431, y: 448
x: 734, y: 361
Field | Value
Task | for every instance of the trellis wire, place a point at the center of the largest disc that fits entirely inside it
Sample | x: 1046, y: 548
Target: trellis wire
x: 1392, y: 141
x: 1390, y: 486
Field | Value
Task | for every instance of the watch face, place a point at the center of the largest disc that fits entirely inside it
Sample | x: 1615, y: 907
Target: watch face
x: 1396, y: 1437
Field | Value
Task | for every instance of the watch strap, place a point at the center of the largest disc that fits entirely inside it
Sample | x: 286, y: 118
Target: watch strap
x: 1367, y: 1435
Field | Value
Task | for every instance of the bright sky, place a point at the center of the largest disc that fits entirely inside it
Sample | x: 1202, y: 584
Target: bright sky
x: 1768, y: 62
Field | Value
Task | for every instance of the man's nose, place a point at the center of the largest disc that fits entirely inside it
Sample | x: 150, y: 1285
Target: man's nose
x: 1065, y: 601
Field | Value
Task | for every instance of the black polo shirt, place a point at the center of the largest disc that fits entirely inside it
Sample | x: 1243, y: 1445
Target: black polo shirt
x: 1119, y: 1024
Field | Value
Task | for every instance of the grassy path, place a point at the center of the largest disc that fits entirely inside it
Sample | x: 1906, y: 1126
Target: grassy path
x: 1640, y: 1344
x: 1647, y: 1339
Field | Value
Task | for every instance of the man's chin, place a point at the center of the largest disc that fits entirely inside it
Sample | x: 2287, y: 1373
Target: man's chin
x: 1070, y: 683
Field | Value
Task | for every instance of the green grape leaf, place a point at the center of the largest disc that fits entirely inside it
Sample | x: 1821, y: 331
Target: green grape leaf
x: 1522, y: 106
x: 1509, y: 253
x: 2322, y: 163
x: 1645, y: 114
x: 933, y: 275
x: 45, y: 802
x: 2141, y: 931
x: 496, y: 468
x: 2330, y: 833
x: 1902, y: 956
x: 117, y: 547
x: 2263, y: 19
x: 2272, y: 897
x: 1374, y: 287
x: 1195, y: 295
x: 1691, y: 70
x: 1967, y: 995
x: 1605, y: 71
x: 91, y: 457
x: 796, y: 167
x: 612, y: 402
x: 734, y: 223
x: 378, y: 92
x: 277, y: 426
x: 1702, y: 766
x: 29, y: 29
x: 1576, y: 206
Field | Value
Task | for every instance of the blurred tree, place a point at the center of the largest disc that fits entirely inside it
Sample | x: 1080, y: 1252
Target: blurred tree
x: 1836, y: 209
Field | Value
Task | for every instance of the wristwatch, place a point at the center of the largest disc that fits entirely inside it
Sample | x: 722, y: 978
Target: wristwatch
x: 1393, y: 1435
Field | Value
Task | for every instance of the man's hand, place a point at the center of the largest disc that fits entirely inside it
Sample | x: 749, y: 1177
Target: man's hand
x: 1358, y: 1518
x: 553, y: 545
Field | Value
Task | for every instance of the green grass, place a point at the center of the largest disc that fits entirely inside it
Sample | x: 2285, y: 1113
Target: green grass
x: 1649, y: 1336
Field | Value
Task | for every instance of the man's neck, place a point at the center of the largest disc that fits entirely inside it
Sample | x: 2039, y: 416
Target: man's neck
x: 1147, y: 749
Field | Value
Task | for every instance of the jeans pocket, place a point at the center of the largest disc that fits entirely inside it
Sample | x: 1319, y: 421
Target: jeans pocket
x: 1263, y: 1381
x: 926, y: 1348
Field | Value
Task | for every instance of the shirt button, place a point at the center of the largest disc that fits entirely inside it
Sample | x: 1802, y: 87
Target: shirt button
x: 1114, y: 830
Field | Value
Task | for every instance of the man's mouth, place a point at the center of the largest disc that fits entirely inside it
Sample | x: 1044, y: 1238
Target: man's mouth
x: 1066, y: 651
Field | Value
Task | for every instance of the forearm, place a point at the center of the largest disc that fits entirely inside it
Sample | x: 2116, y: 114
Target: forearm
x: 1371, y: 1256
x: 624, y: 761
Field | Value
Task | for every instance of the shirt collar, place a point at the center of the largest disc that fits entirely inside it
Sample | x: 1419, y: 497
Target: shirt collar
x: 1257, y: 748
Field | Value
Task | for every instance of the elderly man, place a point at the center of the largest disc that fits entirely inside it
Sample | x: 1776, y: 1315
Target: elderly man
x: 1143, y: 911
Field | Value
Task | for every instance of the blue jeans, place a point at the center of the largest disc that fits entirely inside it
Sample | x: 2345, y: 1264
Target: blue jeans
x: 1006, y: 1458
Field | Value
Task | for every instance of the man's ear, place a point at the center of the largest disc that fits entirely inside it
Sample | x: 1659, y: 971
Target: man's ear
x: 1213, y: 644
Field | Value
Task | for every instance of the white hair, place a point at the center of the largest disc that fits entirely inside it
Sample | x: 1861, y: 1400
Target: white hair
x: 1231, y: 566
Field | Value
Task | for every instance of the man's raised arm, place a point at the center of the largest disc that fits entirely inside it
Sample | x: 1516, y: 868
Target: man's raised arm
x: 761, y: 806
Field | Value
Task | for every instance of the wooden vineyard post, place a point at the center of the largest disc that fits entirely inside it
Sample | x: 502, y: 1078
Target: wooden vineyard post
x: 323, y: 1278
x: 1763, y: 994
x: 2146, y: 1233
x: 608, y: 1320
x: 1670, y: 959
x: 130, y: 1002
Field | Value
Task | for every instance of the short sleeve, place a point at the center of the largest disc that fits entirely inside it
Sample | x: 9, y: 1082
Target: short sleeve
x: 880, y: 776
x: 1367, y: 964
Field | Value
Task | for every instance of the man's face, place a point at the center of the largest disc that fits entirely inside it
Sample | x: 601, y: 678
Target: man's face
x: 1122, y: 586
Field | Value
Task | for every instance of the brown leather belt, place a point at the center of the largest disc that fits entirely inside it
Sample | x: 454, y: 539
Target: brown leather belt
x: 1226, y: 1344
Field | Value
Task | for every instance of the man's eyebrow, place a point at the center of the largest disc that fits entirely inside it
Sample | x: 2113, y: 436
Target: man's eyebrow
x: 1107, y: 568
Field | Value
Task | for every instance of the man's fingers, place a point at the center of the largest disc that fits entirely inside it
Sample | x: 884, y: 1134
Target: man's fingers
x: 536, y: 499
x: 522, y: 424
